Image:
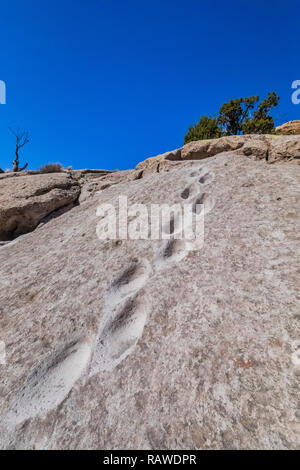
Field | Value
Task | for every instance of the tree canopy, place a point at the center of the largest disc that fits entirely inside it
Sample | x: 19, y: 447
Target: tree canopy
x: 206, y: 128
x: 238, y: 116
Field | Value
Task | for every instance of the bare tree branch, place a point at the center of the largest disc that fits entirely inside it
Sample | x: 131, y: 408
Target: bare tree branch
x: 22, y: 138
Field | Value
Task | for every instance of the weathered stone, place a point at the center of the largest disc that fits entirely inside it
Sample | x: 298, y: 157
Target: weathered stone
x: 26, y: 199
x: 285, y: 148
x: 208, y: 148
x: 140, y: 344
x: 150, y: 164
x: 256, y: 149
x: 90, y: 186
x: 289, y: 128
x: 271, y: 148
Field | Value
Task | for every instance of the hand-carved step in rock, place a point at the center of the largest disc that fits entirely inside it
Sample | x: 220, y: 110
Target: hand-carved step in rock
x: 203, y: 204
x: 120, y: 334
x: 128, y: 282
x: 170, y: 251
x: 206, y: 178
x: 50, y: 382
x: 190, y: 191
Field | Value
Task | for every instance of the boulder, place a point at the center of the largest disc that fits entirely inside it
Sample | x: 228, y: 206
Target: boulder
x: 26, y: 199
x: 289, y: 128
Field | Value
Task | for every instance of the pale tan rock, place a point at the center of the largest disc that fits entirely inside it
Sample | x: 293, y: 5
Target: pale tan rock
x: 256, y: 148
x: 157, y: 165
x: 92, y: 183
x: 208, y: 148
x: 285, y: 148
x: 152, y: 162
x: 135, y: 344
x: 289, y: 128
x: 271, y: 148
x: 26, y: 199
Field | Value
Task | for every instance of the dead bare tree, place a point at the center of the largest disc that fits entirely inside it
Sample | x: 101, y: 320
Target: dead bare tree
x: 22, y: 138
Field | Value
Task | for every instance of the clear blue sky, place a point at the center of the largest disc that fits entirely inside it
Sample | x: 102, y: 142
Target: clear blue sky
x: 105, y: 84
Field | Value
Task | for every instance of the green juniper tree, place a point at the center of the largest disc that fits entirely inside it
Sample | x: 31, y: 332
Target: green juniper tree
x: 206, y: 128
x: 233, y: 114
x: 262, y: 122
x: 238, y: 116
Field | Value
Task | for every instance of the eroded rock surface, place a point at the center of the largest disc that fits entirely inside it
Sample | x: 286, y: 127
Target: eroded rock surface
x: 26, y: 199
x: 289, y: 128
x: 271, y: 148
x: 126, y: 344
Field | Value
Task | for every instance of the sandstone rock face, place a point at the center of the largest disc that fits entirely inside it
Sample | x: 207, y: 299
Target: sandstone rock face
x: 26, y: 199
x: 158, y: 163
x: 142, y: 344
x: 289, y: 128
x: 258, y: 147
x: 93, y: 183
x: 208, y: 148
x: 285, y: 148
